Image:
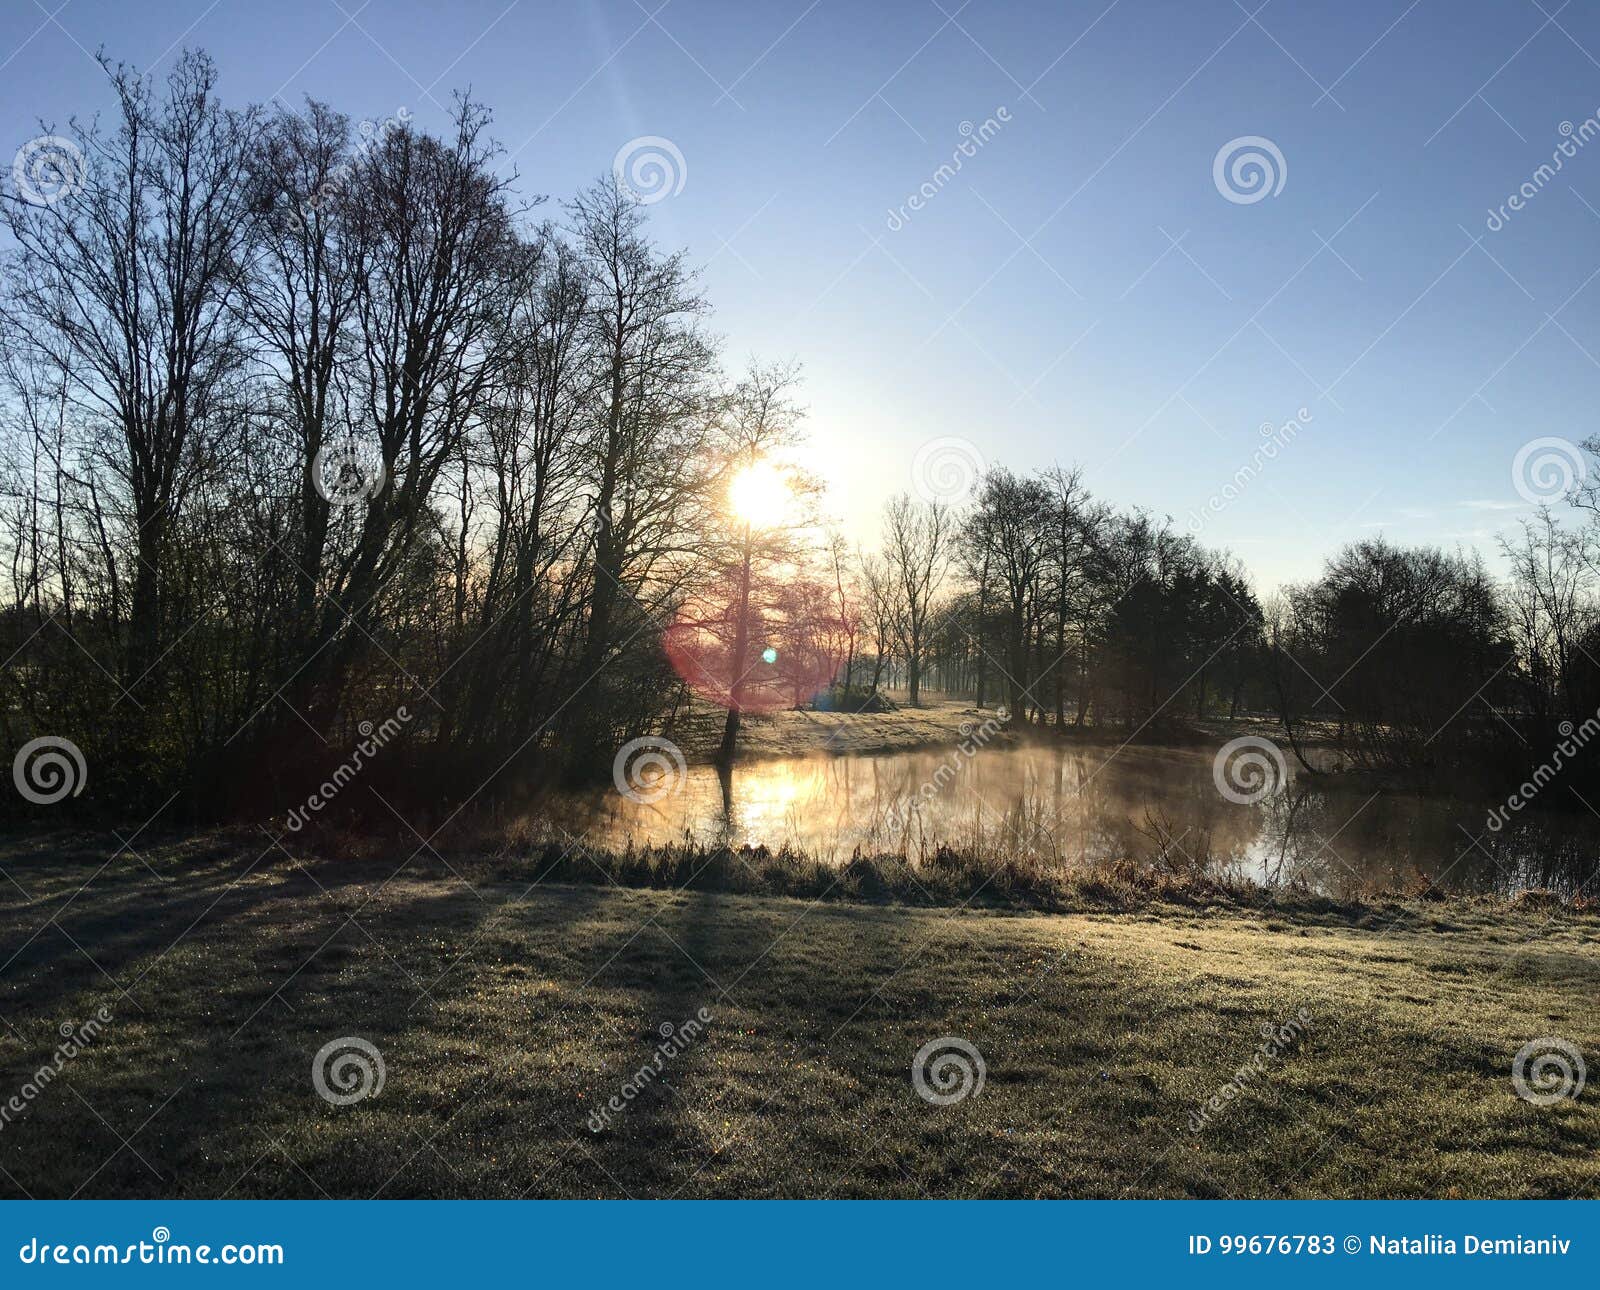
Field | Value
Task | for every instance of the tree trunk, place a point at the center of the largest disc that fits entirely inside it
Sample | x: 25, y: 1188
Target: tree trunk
x: 741, y: 646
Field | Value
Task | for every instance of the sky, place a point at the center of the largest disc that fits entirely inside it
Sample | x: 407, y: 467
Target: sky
x: 1094, y: 284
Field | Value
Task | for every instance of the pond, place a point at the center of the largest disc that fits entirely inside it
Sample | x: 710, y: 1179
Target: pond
x: 1078, y: 805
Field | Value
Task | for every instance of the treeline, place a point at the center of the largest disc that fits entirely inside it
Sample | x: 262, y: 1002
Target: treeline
x: 307, y: 421
x: 1416, y: 661
x: 1412, y: 662
x: 1040, y: 599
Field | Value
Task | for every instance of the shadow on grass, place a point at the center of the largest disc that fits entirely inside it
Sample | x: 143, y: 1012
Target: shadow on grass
x: 505, y: 1016
x: 238, y: 979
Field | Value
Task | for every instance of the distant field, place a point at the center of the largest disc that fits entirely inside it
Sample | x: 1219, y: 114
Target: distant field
x: 506, y: 1017
x: 795, y: 732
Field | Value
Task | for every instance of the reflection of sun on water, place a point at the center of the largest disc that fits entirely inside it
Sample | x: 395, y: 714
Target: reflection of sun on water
x: 1077, y: 807
x: 765, y: 810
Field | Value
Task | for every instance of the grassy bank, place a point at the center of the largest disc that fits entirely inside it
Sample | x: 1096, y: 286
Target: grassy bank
x: 506, y: 1014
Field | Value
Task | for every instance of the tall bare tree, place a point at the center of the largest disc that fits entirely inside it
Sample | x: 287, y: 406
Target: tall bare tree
x: 918, y: 549
x: 124, y: 284
x: 651, y: 366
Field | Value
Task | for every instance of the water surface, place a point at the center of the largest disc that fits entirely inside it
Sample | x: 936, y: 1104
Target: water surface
x: 1077, y: 805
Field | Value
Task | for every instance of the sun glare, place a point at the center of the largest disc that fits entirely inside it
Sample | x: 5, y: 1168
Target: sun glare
x: 758, y: 494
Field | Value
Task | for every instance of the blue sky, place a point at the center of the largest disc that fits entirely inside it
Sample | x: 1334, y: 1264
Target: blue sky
x: 1081, y: 291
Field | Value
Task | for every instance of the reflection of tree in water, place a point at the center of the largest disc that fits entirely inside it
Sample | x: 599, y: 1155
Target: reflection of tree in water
x: 1087, y: 806
x: 1082, y: 806
x: 1350, y: 843
x: 1554, y: 852
x: 1090, y: 806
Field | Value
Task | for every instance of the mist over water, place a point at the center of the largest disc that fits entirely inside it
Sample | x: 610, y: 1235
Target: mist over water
x: 1082, y: 806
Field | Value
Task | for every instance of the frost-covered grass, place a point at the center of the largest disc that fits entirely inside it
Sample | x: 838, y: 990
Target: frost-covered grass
x: 794, y: 733
x: 507, y: 1010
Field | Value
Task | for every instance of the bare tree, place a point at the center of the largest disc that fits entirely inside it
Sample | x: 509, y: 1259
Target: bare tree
x: 430, y: 226
x: 846, y: 603
x: 881, y: 611
x: 125, y: 286
x: 651, y: 365
x: 1068, y: 542
x: 301, y: 305
x: 1551, y: 602
x: 531, y: 460
x: 918, y: 547
x: 1009, y: 526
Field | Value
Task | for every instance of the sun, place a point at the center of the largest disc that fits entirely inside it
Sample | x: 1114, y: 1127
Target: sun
x: 758, y: 494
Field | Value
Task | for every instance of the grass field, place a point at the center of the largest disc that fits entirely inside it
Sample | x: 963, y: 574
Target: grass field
x: 794, y: 732
x: 506, y: 1017
x: 936, y: 721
